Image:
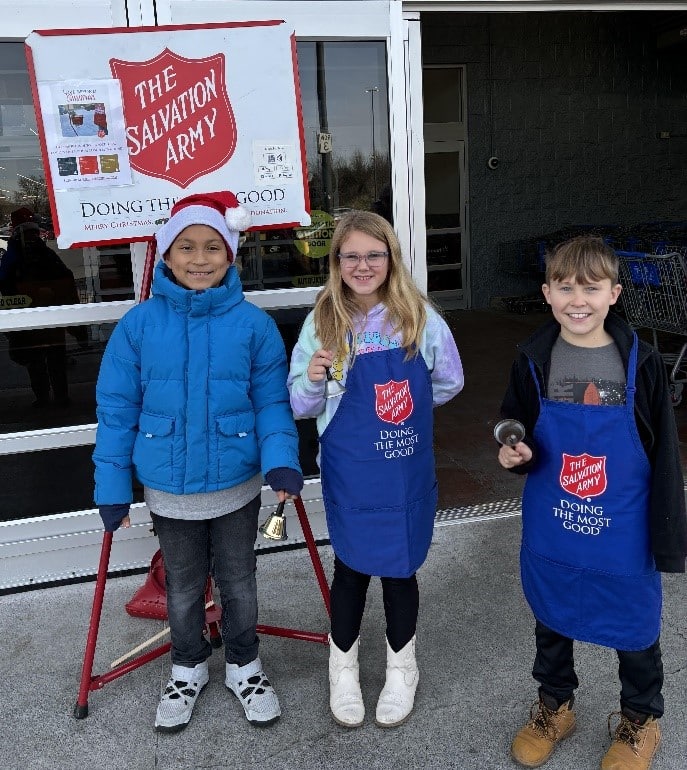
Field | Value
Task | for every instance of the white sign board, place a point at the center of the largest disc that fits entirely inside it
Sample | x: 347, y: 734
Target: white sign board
x: 133, y: 119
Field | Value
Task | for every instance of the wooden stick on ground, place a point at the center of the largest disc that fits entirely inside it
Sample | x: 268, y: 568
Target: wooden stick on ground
x: 147, y: 643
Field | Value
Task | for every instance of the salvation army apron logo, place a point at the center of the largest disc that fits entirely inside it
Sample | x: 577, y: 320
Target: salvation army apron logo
x: 393, y: 402
x: 179, y: 121
x: 583, y: 475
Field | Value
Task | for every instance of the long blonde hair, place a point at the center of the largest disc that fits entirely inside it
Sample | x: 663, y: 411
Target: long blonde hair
x: 336, y: 306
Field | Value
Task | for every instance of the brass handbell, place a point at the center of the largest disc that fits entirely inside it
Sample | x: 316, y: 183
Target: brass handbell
x: 274, y: 527
x: 333, y: 388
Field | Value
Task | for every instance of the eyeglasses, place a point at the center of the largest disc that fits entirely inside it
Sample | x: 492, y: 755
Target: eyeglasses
x: 372, y: 259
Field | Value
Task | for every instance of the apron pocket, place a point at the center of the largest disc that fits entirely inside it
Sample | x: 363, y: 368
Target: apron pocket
x: 373, y: 541
x: 622, y: 611
x: 554, y: 591
x: 421, y: 527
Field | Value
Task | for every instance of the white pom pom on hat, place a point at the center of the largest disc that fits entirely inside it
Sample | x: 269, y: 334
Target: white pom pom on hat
x: 219, y: 210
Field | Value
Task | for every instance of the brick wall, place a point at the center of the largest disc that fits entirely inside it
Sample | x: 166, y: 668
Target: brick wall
x: 572, y: 109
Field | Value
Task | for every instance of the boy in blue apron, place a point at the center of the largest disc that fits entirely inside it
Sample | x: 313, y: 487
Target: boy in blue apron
x: 603, y: 509
x: 371, y: 362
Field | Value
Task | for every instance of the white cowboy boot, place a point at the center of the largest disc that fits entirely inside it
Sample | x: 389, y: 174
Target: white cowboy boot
x: 345, y: 698
x: 396, y: 700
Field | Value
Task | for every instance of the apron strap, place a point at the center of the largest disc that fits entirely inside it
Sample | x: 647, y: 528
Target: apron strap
x: 535, y: 378
x: 631, y: 388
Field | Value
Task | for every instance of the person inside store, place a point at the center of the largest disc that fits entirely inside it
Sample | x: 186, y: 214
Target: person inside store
x: 100, y: 119
x: 603, y: 507
x: 371, y: 362
x: 32, y: 271
x: 192, y: 403
x: 384, y: 204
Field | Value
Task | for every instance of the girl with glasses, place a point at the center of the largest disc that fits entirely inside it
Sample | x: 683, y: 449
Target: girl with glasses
x: 394, y: 359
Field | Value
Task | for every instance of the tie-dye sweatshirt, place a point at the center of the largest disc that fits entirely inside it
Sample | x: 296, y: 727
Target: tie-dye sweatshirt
x: 374, y: 333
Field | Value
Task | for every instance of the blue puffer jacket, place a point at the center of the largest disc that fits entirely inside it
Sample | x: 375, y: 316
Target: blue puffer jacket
x: 192, y: 394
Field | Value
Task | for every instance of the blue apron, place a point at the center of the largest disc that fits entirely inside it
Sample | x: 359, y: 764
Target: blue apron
x: 586, y: 563
x: 377, y: 462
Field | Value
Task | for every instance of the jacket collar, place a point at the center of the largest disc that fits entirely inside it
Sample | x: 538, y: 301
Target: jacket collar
x: 539, y: 345
x: 217, y: 300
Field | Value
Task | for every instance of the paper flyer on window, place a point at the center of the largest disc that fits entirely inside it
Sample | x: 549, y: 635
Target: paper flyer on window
x: 85, y: 134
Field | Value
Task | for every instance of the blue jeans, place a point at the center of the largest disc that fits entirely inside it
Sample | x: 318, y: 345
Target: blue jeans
x: 191, y: 550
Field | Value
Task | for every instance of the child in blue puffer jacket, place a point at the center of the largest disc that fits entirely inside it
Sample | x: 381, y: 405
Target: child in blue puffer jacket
x: 192, y: 400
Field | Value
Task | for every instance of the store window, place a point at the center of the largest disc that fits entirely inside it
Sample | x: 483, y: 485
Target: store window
x: 48, y: 374
x: 24, y: 197
x: 346, y: 125
x: 445, y: 133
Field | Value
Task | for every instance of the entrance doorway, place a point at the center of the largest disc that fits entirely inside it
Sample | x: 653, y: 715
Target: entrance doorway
x: 443, y: 91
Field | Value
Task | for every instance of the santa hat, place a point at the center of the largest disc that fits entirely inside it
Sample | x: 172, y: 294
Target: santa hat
x: 21, y: 216
x: 219, y: 210
x: 23, y: 220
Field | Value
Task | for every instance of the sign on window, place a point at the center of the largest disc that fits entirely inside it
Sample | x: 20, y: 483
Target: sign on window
x: 185, y: 109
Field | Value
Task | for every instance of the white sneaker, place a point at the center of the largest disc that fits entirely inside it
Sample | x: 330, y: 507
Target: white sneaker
x: 251, y: 686
x: 176, y: 705
x: 396, y: 700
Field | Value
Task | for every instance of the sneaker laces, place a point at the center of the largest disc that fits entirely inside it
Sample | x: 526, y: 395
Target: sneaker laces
x: 627, y: 732
x: 176, y: 689
x: 255, y: 686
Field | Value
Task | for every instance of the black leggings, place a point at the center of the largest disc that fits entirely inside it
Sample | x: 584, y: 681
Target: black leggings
x: 640, y: 672
x: 348, y: 593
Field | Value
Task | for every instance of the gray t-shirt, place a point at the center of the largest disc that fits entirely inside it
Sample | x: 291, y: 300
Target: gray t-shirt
x: 202, y: 505
x: 586, y: 375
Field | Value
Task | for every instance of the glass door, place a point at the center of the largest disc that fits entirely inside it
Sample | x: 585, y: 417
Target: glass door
x: 445, y: 185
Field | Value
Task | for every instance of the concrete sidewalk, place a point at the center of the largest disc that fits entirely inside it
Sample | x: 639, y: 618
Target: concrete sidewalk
x: 475, y: 641
x: 475, y: 648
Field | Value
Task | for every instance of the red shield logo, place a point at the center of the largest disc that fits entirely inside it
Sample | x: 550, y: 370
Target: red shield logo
x: 583, y: 475
x: 179, y: 122
x: 393, y: 401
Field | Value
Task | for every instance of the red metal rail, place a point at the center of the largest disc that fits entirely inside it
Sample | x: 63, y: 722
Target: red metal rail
x: 90, y: 682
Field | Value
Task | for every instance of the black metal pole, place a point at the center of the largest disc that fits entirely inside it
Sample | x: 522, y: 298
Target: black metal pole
x: 324, y: 128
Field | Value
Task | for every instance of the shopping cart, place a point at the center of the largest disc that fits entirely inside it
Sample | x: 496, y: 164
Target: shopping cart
x: 654, y: 297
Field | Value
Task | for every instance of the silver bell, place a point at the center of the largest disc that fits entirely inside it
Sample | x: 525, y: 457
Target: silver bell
x: 509, y: 432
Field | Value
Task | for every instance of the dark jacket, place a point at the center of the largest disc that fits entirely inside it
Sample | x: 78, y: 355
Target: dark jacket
x: 32, y: 270
x: 655, y: 423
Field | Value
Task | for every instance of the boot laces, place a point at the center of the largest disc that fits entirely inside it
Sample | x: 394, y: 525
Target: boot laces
x: 542, y: 720
x: 627, y: 732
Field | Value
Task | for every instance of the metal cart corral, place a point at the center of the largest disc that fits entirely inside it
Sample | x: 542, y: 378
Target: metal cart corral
x: 654, y: 297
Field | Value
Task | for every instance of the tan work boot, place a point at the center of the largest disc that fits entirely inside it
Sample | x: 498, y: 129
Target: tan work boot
x: 634, y: 744
x: 549, y: 724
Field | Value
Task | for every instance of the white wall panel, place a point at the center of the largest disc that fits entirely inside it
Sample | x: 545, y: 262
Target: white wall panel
x: 21, y: 18
x: 331, y: 19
